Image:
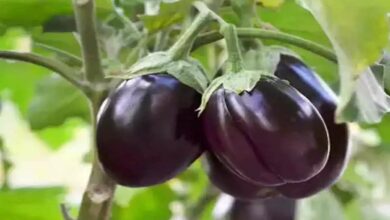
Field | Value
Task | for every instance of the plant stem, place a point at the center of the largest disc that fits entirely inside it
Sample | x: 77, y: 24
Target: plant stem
x: 235, y: 62
x: 183, y: 46
x: 86, y: 27
x: 272, y: 35
x: 100, y: 190
x: 71, y: 57
x: 62, y: 69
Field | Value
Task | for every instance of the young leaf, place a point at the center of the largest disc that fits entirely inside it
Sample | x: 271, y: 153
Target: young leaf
x: 367, y: 103
x: 55, y: 101
x: 358, y: 31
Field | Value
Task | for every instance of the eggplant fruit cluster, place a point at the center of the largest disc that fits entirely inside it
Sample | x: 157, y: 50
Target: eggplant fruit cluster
x: 279, y: 138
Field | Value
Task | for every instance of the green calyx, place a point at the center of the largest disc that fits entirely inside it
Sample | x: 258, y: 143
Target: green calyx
x: 236, y: 77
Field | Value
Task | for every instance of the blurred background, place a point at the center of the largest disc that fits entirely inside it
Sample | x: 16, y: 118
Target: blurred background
x: 45, y: 139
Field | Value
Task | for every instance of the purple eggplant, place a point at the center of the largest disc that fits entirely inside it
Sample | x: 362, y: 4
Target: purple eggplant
x: 224, y: 179
x: 269, y: 136
x: 323, y: 98
x: 148, y: 130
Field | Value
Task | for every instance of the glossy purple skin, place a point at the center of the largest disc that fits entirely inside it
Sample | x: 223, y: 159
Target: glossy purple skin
x: 148, y: 130
x: 277, y: 208
x: 324, y: 99
x: 231, y: 184
x: 270, y: 136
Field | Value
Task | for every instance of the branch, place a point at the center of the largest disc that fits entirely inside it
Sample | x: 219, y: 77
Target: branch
x: 86, y: 27
x: 71, y: 57
x: 98, y: 196
x: 62, y: 69
x: 272, y: 35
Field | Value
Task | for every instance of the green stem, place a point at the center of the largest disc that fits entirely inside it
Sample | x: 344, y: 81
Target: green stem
x: 75, y: 60
x: 62, y: 69
x: 272, y: 35
x: 85, y: 20
x: 183, y: 46
x: 235, y: 62
x: 246, y: 10
x: 100, y: 190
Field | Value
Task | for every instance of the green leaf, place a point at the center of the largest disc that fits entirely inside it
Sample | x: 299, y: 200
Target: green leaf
x: 188, y: 71
x: 31, y: 204
x: 358, y: 43
x: 169, y: 14
x: 367, y: 101
x: 150, y: 203
x: 30, y: 13
x: 55, y: 101
x: 322, y: 206
x: 293, y: 19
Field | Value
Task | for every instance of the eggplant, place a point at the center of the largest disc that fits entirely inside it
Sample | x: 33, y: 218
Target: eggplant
x: 324, y: 99
x: 269, y: 136
x: 229, y: 183
x: 148, y: 130
x: 237, y: 126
